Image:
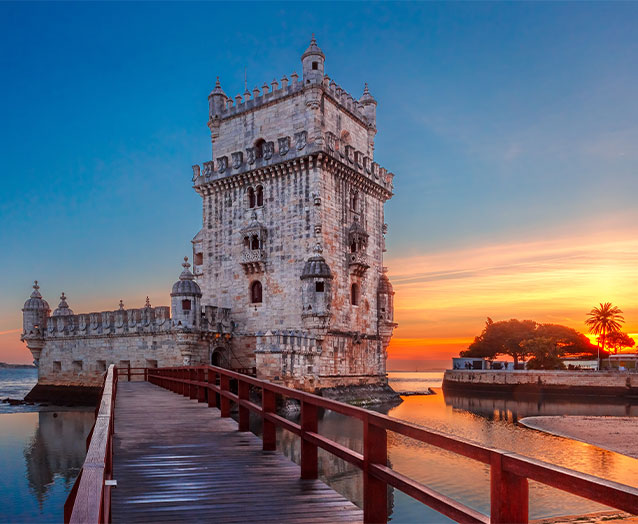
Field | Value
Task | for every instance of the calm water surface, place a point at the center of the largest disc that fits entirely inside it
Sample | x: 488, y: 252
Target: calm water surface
x: 42, y: 450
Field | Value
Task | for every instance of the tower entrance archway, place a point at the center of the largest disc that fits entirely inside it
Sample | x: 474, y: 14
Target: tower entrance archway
x: 220, y: 357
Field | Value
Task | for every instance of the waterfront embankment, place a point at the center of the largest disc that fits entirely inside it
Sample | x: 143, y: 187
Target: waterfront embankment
x: 612, y: 384
x: 611, y: 433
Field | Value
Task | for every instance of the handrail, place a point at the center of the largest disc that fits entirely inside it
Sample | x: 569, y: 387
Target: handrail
x: 90, y: 498
x: 509, y: 472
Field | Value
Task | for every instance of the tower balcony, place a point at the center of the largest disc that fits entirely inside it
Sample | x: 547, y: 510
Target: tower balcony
x: 358, y: 263
x: 253, y: 260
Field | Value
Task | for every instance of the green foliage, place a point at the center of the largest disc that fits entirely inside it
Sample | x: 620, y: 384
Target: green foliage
x: 520, y: 339
x: 617, y: 340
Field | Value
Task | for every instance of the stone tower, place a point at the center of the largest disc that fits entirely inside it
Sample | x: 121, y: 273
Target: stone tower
x: 293, y: 230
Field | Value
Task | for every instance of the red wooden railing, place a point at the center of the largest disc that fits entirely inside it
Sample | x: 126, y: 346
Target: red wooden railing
x: 90, y: 497
x: 509, y: 472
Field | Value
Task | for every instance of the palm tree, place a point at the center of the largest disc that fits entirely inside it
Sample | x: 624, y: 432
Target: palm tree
x: 604, y: 320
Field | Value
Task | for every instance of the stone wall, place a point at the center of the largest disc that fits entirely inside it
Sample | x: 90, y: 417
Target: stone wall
x: 546, y: 382
x: 83, y: 360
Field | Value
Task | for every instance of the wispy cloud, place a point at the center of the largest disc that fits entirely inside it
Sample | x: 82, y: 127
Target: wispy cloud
x: 442, y: 299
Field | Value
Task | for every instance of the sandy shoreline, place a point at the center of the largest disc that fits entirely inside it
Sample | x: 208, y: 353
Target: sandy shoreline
x: 612, y: 433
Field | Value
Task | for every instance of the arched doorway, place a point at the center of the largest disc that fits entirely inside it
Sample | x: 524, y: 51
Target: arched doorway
x: 219, y: 358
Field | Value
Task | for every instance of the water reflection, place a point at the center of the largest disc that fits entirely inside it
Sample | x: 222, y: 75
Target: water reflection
x: 40, y: 456
x: 490, y: 421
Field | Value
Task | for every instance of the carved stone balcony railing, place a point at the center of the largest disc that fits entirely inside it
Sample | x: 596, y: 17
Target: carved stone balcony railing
x: 358, y: 263
x: 253, y: 260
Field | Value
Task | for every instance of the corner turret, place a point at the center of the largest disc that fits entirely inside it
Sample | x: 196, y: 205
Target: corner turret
x: 63, y: 309
x: 216, y: 101
x: 313, y: 63
x: 185, y: 300
x: 34, y: 315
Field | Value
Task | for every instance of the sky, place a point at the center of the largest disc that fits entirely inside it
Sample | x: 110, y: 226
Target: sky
x: 512, y: 129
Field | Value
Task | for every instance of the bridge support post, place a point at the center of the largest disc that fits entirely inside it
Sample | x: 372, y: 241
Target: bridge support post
x: 243, y: 390
x: 309, y: 458
x: 212, y: 396
x: 268, y: 405
x: 224, y: 383
x: 185, y: 386
x: 509, y: 494
x: 375, y: 491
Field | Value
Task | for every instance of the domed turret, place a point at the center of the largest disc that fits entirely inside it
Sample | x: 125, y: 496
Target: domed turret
x: 35, y: 311
x: 63, y: 309
x: 369, y: 106
x: 316, y: 287
x: 34, y: 315
x: 216, y: 100
x: 185, y: 300
x: 312, y: 62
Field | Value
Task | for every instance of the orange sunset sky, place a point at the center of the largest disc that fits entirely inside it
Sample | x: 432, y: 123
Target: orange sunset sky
x: 442, y: 299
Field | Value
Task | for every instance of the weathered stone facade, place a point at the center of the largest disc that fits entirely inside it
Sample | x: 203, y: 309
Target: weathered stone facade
x: 290, y: 251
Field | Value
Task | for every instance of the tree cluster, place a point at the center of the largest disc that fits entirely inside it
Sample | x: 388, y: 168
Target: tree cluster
x: 543, y: 344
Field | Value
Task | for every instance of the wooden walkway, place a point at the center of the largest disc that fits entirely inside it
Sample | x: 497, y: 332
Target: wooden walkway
x: 177, y: 460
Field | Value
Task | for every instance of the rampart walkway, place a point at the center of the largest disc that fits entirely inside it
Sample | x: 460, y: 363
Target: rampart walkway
x: 177, y: 460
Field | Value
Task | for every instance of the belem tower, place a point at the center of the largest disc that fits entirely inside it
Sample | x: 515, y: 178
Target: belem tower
x: 287, y: 276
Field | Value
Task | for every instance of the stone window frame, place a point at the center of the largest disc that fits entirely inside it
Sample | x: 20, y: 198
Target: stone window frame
x: 255, y: 196
x: 256, y: 292
x: 355, y: 294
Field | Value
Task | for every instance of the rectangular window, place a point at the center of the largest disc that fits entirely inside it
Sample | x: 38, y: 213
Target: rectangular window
x: 101, y: 366
x: 186, y: 305
x: 77, y: 366
x: 151, y: 363
x: 57, y: 366
x: 319, y: 287
x: 199, y: 259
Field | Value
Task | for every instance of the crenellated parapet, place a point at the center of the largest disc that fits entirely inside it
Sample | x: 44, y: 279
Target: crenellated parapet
x: 115, y: 322
x: 276, y: 92
x: 291, y: 150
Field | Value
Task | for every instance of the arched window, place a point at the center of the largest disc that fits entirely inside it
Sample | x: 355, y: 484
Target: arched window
x: 353, y: 247
x: 260, y: 196
x: 247, y: 242
x: 186, y: 305
x: 354, y: 202
x: 254, y: 242
x: 354, y: 294
x: 259, y: 148
x: 251, y: 197
x: 255, y: 292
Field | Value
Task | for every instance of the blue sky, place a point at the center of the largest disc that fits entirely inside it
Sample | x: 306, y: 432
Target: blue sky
x: 504, y: 123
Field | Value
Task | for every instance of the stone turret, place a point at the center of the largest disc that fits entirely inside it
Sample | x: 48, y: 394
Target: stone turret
x: 34, y: 315
x: 185, y: 300
x: 385, y: 298
x: 313, y: 63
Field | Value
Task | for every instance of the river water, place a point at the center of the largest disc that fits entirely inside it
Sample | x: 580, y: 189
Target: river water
x: 42, y: 450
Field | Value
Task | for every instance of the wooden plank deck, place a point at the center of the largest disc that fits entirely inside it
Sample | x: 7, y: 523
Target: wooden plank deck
x: 177, y: 460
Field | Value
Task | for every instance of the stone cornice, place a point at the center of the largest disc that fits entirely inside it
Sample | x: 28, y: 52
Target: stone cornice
x: 320, y: 158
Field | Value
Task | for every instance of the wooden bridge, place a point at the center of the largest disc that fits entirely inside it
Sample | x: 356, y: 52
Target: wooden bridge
x: 176, y: 460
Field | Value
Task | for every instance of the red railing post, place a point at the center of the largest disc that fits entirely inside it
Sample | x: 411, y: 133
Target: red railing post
x: 268, y: 404
x: 201, y: 390
x: 212, y: 396
x: 145, y: 374
x: 224, y: 384
x: 509, y: 494
x: 309, y: 458
x: 243, y: 392
x: 375, y: 491
x: 192, y: 376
